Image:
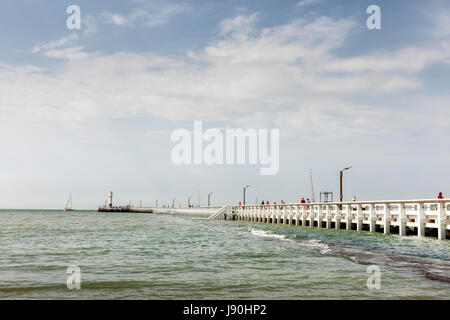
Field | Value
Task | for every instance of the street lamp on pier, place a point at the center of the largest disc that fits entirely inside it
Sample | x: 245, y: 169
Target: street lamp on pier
x: 341, y: 175
x: 209, y: 198
x: 244, y: 194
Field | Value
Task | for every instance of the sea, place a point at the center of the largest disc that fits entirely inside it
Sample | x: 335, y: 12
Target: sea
x: 50, y: 254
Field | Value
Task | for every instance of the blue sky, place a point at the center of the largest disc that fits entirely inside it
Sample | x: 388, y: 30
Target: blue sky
x: 86, y: 111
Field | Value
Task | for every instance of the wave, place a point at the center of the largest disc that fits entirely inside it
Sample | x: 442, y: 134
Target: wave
x: 431, y: 268
x: 269, y: 234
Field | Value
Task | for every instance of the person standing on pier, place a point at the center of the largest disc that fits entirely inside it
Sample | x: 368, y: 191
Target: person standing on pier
x: 262, y: 202
x: 303, y: 200
x: 440, y: 196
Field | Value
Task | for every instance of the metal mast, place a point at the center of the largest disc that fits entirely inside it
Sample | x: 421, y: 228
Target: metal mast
x: 313, y: 197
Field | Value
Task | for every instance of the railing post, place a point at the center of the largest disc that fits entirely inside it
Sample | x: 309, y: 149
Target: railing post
x: 348, y: 218
x: 295, y: 208
x: 266, y: 215
x: 387, y: 218
x: 288, y: 210
x: 287, y: 215
x: 274, y: 216
x: 319, y: 217
x: 372, y: 218
x: 420, y: 220
x: 337, y: 225
x: 358, y: 217
x: 303, y: 212
x: 328, y: 216
x: 442, y: 218
x: 402, y: 222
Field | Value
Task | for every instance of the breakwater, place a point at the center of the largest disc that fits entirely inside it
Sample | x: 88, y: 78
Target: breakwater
x: 197, y: 211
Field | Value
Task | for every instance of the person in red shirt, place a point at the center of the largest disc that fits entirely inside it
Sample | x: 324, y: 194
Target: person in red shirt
x: 440, y: 196
x: 303, y: 200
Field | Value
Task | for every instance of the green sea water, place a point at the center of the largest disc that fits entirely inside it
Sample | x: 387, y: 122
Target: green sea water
x: 166, y: 256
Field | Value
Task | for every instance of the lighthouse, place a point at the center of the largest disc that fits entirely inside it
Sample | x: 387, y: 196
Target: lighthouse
x: 110, y: 198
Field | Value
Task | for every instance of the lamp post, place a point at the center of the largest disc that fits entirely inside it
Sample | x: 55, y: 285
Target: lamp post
x: 244, y: 194
x: 341, y: 175
x: 189, y: 201
x: 157, y: 203
x: 173, y: 203
x: 209, y: 198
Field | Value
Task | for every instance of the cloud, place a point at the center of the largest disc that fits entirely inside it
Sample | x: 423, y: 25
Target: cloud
x: 72, y: 54
x: 305, y: 3
x: 43, y: 46
x: 148, y: 14
x: 408, y: 60
x: 88, y: 27
x: 239, y: 27
x: 287, y: 76
x: 442, y: 25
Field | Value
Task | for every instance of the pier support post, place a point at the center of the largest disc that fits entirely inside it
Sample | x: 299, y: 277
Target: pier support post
x: 402, y: 220
x: 420, y: 220
x: 348, y: 217
x: 442, y: 219
x: 297, y: 216
x: 358, y: 218
x: 319, y: 217
x: 303, y: 211
x: 337, y: 225
x: 328, y: 217
x: 387, y: 218
x: 372, y: 218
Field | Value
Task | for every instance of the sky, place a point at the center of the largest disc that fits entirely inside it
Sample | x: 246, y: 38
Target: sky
x: 93, y: 109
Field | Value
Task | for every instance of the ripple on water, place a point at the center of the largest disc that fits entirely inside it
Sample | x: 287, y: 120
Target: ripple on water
x: 131, y: 256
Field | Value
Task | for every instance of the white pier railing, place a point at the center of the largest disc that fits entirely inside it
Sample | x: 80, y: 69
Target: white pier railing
x: 418, y: 217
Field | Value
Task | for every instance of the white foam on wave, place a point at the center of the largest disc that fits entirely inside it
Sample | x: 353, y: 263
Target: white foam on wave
x: 316, y: 245
x: 268, y: 234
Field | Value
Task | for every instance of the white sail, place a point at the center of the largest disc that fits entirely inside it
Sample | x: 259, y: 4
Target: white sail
x: 69, y: 203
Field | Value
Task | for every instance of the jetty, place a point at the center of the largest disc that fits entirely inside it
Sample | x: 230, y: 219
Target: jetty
x: 403, y: 217
x: 424, y: 217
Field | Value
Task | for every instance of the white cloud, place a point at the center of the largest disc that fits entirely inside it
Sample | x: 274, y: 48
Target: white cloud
x: 55, y: 44
x: 148, y: 14
x: 286, y: 76
x: 442, y: 25
x: 409, y: 60
x: 119, y: 20
x: 239, y: 27
x: 305, y: 3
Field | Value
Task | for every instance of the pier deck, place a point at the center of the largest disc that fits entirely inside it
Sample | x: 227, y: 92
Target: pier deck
x: 405, y: 217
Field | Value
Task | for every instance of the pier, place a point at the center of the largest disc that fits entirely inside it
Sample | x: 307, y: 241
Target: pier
x: 403, y: 217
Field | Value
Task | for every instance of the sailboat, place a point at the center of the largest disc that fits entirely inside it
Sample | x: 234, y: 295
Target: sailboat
x: 69, y: 204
